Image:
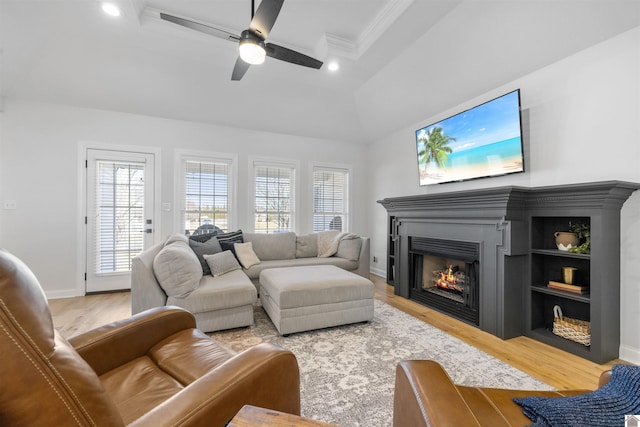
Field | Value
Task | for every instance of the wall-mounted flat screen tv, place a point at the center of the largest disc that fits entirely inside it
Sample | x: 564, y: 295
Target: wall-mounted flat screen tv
x: 480, y: 142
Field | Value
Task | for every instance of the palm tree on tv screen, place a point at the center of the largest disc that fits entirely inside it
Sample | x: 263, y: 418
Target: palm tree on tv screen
x: 436, y: 147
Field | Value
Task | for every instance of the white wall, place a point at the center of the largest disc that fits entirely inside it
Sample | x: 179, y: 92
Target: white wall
x: 40, y: 168
x: 1, y: 136
x: 583, y: 120
x: 583, y: 126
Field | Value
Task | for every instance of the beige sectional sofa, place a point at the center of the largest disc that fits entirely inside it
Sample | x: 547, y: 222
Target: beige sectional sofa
x: 172, y: 274
x: 291, y: 250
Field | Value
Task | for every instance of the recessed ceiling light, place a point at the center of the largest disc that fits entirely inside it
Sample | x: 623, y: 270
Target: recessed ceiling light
x: 111, y: 9
x: 333, y: 66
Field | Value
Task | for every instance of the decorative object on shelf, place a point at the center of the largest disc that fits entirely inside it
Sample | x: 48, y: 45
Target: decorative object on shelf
x: 575, y: 289
x: 568, y: 274
x: 584, y: 237
x: 566, y: 240
x: 572, y: 329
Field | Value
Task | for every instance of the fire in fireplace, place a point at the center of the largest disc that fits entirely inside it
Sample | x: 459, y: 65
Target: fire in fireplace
x: 451, y: 279
x: 445, y: 276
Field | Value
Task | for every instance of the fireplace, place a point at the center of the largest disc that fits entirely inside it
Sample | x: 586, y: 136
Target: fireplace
x: 444, y: 275
x: 481, y: 234
x: 512, y: 229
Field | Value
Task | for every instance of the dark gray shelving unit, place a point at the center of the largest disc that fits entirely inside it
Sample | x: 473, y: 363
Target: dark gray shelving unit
x: 391, y: 250
x: 597, y: 205
x: 546, y: 265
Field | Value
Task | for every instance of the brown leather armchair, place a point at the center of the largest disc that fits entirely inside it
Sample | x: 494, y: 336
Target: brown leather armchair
x: 425, y: 395
x: 152, y: 369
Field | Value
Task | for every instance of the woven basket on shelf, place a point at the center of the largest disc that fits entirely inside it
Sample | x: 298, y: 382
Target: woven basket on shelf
x: 571, y: 329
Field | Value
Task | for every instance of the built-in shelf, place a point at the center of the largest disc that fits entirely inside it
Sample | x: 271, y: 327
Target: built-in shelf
x: 597, y: 206
x: 559, y: 253
x: 562, y: 294
x: 547, y: 337
x: 391, y: 250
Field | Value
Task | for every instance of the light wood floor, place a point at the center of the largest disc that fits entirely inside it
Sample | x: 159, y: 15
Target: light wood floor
x: 555, y: 367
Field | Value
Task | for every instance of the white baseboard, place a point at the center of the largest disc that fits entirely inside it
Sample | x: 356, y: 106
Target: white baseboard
x: 630, y: 354
x: 378, y: 272
x: 66, y: 293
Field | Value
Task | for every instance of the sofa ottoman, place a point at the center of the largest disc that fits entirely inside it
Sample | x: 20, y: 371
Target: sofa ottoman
x: 304, y: 298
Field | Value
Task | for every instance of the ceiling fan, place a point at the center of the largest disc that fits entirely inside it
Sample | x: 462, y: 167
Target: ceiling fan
x: 252, y: 46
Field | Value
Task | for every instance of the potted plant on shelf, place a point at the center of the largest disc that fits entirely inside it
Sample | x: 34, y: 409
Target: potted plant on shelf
x: 565, y: 240
x: 583, y: 232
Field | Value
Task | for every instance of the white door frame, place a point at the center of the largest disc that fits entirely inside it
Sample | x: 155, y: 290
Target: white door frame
x: 81, y: 241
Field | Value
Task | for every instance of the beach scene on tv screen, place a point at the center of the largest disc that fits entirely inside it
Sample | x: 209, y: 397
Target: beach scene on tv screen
x: 483, y: 141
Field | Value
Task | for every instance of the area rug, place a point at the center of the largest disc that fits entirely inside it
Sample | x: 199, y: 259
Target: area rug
x: 347, y: 373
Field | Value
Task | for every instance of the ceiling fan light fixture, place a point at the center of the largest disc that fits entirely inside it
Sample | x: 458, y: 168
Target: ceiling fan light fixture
x: 251, y: 48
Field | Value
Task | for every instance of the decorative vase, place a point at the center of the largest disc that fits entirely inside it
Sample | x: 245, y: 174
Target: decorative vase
x: 568, y: 274
x: 566, y: 240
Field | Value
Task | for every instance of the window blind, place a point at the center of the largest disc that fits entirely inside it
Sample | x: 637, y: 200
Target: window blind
x: 274, y: 198
x: 120, y: 210
x: 207, y: 187
x: 330, y: 199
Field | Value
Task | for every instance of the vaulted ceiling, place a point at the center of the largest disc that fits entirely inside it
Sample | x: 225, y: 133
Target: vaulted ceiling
x: 401, y: 61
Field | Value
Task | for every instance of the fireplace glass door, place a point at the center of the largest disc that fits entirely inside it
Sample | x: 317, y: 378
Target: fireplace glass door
x: 445, y: 276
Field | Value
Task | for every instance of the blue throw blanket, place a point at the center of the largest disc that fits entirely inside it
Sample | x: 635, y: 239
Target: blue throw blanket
x: 604, y: 407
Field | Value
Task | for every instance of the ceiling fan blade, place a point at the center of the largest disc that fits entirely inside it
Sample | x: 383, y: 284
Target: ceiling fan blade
x: 217, y: 32
x: 265, y: 17
x: 239, y: 69
x: 288, y: 55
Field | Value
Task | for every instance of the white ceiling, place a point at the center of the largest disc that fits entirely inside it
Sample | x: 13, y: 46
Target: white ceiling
x: 401, y: 60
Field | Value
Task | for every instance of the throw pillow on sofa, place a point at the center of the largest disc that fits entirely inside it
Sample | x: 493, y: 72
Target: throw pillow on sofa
x: 232, y: 236
x: 246, y: 255
x: 202, y: 237
x: 275, y: 246
x: 177, y: 268
x: 328, y: 242
x: 222, y: 263
x: 210, y: 247
x: 228, y: 240
x: 307, y: 246
x: 349, y: 247
x: 231, y: 247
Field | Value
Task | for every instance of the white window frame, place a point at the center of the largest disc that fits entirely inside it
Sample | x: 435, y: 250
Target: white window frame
x: 183, y: 156
x: 255, y: 162
x: 332, y: 167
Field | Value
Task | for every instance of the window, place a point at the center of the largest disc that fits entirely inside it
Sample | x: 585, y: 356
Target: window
x: 275, y: 188
x: 330, y: 199
x: 119, y: 198
x: 207, y: 195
